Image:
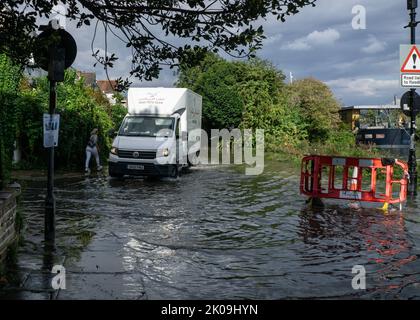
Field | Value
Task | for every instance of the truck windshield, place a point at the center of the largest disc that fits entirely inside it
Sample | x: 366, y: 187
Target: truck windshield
x: 147, y: 126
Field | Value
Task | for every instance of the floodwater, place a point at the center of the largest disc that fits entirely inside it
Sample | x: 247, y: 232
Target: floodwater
x: 214, y: 233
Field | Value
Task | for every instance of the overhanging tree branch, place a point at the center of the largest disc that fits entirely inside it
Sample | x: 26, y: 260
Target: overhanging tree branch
x: 151, y: 27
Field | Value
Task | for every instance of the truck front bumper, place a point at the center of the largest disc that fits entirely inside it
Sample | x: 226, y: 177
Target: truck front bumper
x: 143, y: 169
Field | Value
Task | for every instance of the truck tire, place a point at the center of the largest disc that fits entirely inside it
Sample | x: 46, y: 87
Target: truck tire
x: 174, y: 173
x: 197, y: 155
x: 112, y: 174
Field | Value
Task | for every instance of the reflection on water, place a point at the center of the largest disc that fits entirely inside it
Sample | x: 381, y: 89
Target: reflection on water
x: 378, y: 241
x: 216, y: 233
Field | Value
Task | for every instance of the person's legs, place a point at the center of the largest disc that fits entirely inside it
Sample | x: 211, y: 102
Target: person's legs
x: 96, y: 155
x: 88, y: 155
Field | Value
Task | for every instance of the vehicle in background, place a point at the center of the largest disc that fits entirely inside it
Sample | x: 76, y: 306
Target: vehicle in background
x: 383, y: 126
x: 161, y: 127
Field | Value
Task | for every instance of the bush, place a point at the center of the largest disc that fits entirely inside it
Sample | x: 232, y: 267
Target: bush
x: 234, y: 93
x: 31, y: 108
x: 10, y: 76
x: 116, y: 112
x: 80, y: 110
x: 318, y: 107
x: 215, y: 81
x: 297, y: 119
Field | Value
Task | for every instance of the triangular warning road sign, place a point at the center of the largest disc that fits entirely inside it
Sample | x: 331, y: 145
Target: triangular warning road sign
x: 412, y: 62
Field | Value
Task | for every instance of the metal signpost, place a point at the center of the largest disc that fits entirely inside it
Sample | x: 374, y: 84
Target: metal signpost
x: 410, y: 77
x: 56, y: 52
x: 405, y: 103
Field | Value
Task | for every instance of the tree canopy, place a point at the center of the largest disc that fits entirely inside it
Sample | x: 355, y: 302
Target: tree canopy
x: 318, y: 106
x: 81, y: 109
x: 152, y: 28
x: 252, y: 94
x: 228, y: 87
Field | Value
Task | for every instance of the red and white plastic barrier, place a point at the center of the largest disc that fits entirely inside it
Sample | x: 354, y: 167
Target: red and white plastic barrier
x: 354, y: 179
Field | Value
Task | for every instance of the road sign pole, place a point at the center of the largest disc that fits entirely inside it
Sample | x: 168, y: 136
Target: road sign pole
x: 50, y: 200
x: 412, y: 161
x: 56, y: 51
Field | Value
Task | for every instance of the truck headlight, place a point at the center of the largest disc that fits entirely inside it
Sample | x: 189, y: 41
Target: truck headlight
x: 114, y: 151
x: 165, y: 152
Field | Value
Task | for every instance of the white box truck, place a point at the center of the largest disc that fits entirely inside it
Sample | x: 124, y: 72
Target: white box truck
x: 161, y: 127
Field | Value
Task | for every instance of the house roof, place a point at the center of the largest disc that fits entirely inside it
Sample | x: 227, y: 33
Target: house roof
x: 89, y: 77
x: 107, y: 86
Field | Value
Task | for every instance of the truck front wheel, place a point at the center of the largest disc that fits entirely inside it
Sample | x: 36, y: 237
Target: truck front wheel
x: 174, y: 171
x: 197, y: 154
x: 112, y: 174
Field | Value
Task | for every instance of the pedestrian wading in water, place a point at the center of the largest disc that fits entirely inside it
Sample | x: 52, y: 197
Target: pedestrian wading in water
x: 92, y: 150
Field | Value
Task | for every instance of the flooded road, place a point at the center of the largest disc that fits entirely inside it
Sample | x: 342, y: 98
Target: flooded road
x: 214, y: 234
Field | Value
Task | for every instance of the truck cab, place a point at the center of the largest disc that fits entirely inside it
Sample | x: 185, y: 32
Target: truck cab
x: 153, y: 137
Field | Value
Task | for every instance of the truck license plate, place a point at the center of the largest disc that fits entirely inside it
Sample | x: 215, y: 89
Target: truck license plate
x: 135, y: 167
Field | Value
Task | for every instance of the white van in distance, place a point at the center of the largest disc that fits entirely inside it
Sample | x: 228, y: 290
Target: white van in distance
x: 161, y: 127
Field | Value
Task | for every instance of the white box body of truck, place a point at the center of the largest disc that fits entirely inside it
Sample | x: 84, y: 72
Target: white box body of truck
x: 161, y: 127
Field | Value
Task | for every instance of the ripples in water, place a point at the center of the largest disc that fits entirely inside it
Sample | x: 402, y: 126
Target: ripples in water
x: 216, y: 233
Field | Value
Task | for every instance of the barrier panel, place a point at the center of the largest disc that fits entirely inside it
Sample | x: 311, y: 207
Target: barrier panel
x: 369, y: 180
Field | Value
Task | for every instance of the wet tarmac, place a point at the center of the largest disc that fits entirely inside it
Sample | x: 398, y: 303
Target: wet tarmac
x: 214, y: 233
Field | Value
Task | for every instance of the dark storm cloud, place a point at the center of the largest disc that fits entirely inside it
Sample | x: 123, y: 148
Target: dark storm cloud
x: 361, y: 66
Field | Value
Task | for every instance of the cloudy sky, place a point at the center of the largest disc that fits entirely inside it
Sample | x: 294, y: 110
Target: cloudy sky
x: 361, y: 66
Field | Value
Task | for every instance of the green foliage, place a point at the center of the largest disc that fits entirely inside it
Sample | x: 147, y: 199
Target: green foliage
x: 342, y: 143
x: 260, y: 72
x: 248, y: 94
x: 267, y: 106
x: 297, y: 119
x: 215, y: 79
x: 81, y: 109
x: 118, y: 111
x: 318, y: 107
x: 10, y: 76
x: 232, y: 91
x: 31, y: 108
x: 190, y: 74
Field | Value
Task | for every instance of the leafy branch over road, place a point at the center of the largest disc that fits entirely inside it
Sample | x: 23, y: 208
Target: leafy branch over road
x: 159, y: 32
